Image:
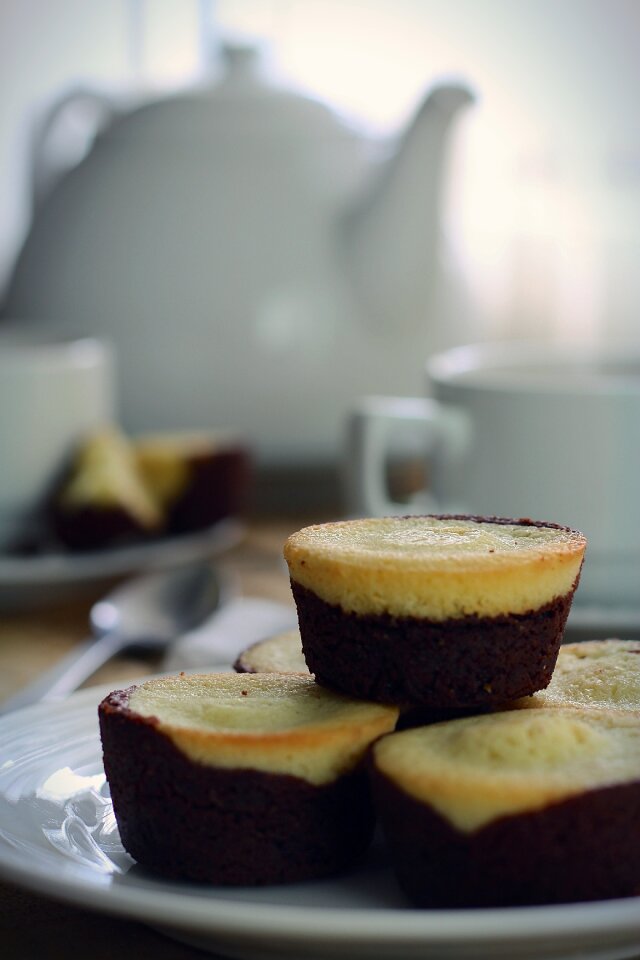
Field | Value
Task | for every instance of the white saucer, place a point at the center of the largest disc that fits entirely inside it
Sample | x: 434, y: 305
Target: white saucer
x: 39, y: 579
x: 58, y: 837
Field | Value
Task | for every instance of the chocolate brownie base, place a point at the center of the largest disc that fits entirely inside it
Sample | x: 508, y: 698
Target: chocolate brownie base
x: 94, y: 528
x: 185, y: 820
x: 218, y: 487
x: 417, y: 716
x: 583, y: 848
x: 470, y: 662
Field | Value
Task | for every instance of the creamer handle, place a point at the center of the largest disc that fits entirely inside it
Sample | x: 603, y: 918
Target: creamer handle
x: 369, y: 436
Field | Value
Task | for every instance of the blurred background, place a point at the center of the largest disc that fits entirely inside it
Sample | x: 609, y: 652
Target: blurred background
x: 260, y: 204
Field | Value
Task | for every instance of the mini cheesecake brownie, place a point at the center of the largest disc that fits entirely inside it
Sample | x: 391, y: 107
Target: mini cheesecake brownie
x: 594, y: 673
x: 240, y: 779
x: 522, y: 807
x: 117, y: 490
x: 281, y: 653
x: 445, y: 612
x: 197, y: 478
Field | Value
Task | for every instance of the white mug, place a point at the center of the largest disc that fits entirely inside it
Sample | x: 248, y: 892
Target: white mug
x: 52, y: 392
x: 519, y: 429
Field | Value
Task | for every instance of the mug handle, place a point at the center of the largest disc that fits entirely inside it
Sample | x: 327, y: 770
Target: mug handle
x: 441, y: 431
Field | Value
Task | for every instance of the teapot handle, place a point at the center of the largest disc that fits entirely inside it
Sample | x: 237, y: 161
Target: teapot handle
x: 92, y: 111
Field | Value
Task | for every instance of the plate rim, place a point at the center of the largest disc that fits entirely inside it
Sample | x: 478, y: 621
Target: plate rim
x: 202, y: 913
x: 59, y: 568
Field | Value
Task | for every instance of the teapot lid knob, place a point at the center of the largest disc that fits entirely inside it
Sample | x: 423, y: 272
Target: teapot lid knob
x: 241, y: 61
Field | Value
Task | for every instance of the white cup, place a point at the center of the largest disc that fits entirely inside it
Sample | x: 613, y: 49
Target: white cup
x: 52, y: 392
x: 520, y: 429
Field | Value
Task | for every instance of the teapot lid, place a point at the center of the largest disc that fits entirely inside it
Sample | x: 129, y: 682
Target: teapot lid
x: 245, y: 102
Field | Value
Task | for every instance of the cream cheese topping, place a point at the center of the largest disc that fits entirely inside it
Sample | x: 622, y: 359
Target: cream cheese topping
x: 599, y: 673
x: 105, y: 474
x: 475, y: 770
x: 268, y: 722
x: 435, y: 567
x: 281, y: 653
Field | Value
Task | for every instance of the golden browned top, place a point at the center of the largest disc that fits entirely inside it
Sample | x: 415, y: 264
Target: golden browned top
x: 269, y: 722
x: 474, y: 770
x: 436, y: 567
x: 598, y: 673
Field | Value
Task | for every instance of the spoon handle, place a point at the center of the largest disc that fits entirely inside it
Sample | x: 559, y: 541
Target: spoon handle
x: 67, y: 675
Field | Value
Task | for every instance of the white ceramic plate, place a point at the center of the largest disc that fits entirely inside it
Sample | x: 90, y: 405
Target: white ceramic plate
x: 58, y: 837
x: 25, y: 581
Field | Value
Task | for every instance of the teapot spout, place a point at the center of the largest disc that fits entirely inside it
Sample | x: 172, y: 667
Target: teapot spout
x: 393, y: 234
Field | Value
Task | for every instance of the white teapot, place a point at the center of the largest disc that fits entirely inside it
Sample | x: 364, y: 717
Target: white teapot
x: 256, y: 261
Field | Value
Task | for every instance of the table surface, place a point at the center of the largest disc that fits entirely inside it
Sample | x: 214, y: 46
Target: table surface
x: 33, y: 926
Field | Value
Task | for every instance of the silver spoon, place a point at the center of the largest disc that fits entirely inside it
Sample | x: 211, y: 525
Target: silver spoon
x: 148, y: 612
